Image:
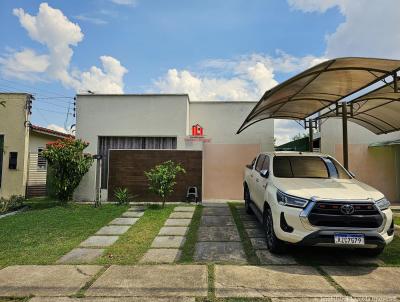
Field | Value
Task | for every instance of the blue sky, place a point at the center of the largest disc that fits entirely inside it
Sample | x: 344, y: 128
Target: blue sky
x: 211, y: 49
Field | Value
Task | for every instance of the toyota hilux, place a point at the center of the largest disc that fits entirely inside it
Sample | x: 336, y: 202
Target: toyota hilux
x: 309, y: 198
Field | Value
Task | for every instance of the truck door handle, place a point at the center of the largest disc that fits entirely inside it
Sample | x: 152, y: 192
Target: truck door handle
x: 257, y: 180
x: 251, y: 175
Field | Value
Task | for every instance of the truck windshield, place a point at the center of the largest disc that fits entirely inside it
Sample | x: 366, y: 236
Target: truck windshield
x: 308, y: 167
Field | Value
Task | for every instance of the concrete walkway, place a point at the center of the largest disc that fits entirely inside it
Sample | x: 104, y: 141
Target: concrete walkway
x: 94, y: 246
x: 184, y: 282
x: 166, y: 247
x: 218, y: 237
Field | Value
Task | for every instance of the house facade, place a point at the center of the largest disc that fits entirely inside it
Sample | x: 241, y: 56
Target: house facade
x: 132, y: 133
x: 23, y: 171
x: 374, y: 159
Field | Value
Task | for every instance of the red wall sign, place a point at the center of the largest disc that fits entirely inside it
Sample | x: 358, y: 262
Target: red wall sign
x: 197, y: 130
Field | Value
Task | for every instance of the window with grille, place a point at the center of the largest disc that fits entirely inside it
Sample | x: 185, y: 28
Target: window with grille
x: 41, y: 161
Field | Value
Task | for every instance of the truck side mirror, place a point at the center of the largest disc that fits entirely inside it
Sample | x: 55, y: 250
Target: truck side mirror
x: 264, y: 173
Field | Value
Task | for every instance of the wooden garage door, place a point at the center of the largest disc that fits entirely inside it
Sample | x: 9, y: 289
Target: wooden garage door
x: 127, y: 167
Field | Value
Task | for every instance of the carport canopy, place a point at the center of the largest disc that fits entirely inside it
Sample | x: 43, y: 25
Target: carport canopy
x: 378, y: 110
x: 326, y: 84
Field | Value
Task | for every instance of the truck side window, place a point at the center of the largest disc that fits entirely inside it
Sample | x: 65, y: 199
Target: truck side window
x: 260, y: 162
x: 265, y: 165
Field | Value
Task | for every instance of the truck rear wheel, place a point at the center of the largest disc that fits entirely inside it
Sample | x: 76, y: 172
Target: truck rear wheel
x: 275, y: 245
x: 247, y: 201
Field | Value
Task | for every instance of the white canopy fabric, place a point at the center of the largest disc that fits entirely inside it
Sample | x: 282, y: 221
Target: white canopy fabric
x: 321, y: 86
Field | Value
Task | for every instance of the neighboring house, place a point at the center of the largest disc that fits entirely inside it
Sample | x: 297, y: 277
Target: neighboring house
x: 22, y: 170
x: 135, y: 132
x: 374, y: 159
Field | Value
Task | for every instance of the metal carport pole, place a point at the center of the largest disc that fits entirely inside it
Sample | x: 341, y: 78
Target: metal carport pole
x: 345, y: 137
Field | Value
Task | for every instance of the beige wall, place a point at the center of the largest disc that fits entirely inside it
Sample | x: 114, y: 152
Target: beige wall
x: 223, y: 169
x: 39, y: 140
x: 221, y: 120
x: 16, y: 139
x: 374, y: 166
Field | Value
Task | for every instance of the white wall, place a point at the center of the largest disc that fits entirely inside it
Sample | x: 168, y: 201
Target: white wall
x: 127, y: 115
x: 221, y: 120
x: 331, y: 135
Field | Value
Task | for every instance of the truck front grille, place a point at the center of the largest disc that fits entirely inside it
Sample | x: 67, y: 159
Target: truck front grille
x: 345, y: 214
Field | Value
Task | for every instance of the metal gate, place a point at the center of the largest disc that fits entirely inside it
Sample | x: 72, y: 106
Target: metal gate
x: 37, y: 175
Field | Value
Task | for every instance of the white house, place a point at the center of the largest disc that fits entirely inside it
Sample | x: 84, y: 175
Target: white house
x: 135, y: 131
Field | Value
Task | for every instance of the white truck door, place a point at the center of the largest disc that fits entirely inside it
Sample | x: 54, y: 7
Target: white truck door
x: 253, y: 175
x: 258, y: 193
x: 261, y: 182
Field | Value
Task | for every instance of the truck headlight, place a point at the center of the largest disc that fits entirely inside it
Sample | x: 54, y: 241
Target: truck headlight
x: 290, y: 201
x: 383, y: 204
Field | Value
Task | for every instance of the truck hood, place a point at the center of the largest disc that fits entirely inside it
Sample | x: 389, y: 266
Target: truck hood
x: 327, y: 188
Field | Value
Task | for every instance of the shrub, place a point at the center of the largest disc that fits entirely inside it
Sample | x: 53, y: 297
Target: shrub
x: 122, y: 195
x: 162, y: 178
x: 69, y: 164
x: 14, y: 202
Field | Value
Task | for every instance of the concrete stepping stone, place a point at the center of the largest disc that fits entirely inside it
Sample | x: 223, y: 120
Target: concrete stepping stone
x: 217, y: 221
x: 259, y: 243
x: 266, y: 257
x: 367, y: 281
x: 124, y: 221
x: 255, y: 233
x: 151, y: 281
x: 133, y: 214
x: 220, y: 252
x: 179, y: 215
x: 177, y: 231
x: 113, y: 230
x: 271, y: 281
x: 168, y: 242
x: 251, y: 224
x: 120, y: 299
x: 227, y: 233
x: 217, y: 211
x: 161, y: 256
x: 45, y: 280
x: 99, y: 241
x: 184, y: 209
x: 80, y: 255
x: 213, y: 205
x: 138, y: 208
x: 177, y: 222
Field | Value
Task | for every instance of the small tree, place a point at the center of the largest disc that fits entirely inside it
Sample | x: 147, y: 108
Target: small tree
x: 162, y: 178
x: 68, y: 163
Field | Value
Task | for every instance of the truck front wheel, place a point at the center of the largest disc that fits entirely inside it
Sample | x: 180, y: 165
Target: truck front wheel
x: 247, y: 201
x: 275, y: 245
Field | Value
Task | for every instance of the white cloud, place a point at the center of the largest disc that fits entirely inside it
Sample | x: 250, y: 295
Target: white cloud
x: 369, y: 29
x: 23, y: 63
x: 109, y: 79
x: 125, y: 2
x: 94, y: 20
x: 285, y: 130
x: 244, y: 78
x: 58, y: 128
x: 53, y: 29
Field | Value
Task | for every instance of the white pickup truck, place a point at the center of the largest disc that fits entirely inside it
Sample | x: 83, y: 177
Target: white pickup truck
x: 310, y: 199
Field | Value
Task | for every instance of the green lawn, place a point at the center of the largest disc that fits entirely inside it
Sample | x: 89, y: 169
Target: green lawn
x: 191, y: 237
x: 131, y: 246
x: 247, y: 246
x: 397, y: 220
x: 48, y: 230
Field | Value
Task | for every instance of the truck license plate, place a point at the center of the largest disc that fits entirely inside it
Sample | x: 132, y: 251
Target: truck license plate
x: 349, y: 239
